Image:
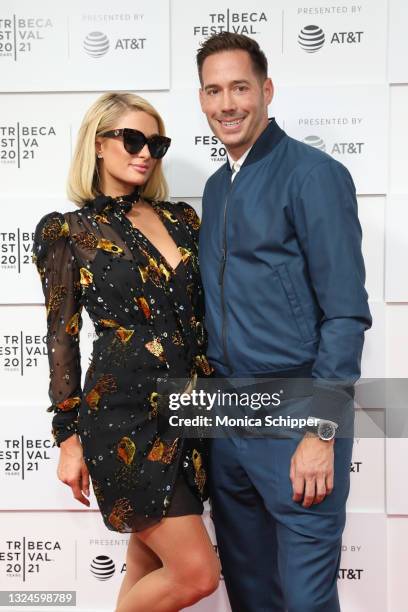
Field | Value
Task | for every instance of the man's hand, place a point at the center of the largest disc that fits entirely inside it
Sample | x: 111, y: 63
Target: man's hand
x: 312, y: 470
x: 72, y: 470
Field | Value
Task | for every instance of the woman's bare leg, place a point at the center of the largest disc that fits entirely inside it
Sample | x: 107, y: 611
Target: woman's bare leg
x: 190, y: 568
x: 140, y: 561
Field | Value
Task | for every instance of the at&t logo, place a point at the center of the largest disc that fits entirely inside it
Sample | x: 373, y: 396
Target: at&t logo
x: 355, y: 467
x: 312, y: 38
x: 97, y: 44
x: 316, y: 142
x: 338, y: 148
x: 350, y: 574
x: 102, y: 567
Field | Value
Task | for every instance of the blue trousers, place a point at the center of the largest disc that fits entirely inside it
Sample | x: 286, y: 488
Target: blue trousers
x: 276, y: 555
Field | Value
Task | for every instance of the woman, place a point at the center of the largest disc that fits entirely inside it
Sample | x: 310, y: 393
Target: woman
x: 130, y: 259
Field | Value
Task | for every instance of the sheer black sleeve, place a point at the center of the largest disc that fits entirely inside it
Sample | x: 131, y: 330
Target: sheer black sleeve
x: 191, y: 219
x: 60, y: 278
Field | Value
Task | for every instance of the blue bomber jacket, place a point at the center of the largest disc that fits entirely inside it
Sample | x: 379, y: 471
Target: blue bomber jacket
x: 281, y: 264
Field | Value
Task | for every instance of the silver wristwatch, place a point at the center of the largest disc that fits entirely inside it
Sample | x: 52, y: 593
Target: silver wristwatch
x: 325, y: 430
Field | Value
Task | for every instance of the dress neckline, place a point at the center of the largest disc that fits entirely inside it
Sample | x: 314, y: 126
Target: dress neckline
x: 149, y: 244
x: 121, y: 203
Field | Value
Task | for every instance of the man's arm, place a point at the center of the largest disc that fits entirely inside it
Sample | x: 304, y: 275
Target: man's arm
x: 329, y: 233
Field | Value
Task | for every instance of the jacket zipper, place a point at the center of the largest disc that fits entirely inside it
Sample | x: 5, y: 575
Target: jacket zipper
x: 221, y: 282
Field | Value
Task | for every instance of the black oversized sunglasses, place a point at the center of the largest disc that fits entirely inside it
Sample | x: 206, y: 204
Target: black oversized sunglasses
x: 134, y: 141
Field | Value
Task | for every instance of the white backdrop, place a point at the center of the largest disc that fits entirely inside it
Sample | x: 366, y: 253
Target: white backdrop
x: 350, y: 97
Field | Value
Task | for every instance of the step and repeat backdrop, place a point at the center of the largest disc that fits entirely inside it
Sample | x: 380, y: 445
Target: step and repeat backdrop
x: 349, y: 98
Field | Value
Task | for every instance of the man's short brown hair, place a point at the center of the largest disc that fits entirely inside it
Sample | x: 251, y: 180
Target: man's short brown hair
x: 227, y: 41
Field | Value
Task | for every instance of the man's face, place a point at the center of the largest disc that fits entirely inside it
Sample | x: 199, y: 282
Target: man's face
x: 234, y: 100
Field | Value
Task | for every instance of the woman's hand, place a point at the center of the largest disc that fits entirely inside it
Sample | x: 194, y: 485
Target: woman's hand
x: 72, y: 470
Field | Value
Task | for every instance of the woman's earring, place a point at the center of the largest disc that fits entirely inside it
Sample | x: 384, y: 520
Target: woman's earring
x: 100, y: 156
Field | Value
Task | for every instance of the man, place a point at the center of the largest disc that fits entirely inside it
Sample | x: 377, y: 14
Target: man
x: 280, y: 255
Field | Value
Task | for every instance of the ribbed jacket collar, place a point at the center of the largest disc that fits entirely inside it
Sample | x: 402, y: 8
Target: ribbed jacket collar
x: 267, y: 141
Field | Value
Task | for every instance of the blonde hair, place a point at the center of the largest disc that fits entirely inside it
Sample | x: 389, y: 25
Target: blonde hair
x: 83, y: 179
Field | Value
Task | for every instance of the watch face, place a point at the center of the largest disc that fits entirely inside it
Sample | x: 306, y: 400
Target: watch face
x: 326, y: 431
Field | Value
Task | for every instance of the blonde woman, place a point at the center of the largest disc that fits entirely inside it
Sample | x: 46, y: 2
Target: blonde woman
x: 130, y: 258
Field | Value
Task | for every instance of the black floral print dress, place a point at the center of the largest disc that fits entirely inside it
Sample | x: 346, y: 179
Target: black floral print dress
x: 149, y: 323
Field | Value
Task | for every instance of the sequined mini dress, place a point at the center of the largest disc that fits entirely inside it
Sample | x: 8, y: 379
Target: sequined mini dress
x: 148, y: 319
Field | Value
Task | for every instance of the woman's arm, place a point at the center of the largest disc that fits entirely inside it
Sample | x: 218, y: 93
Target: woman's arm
x: 60, y: 280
